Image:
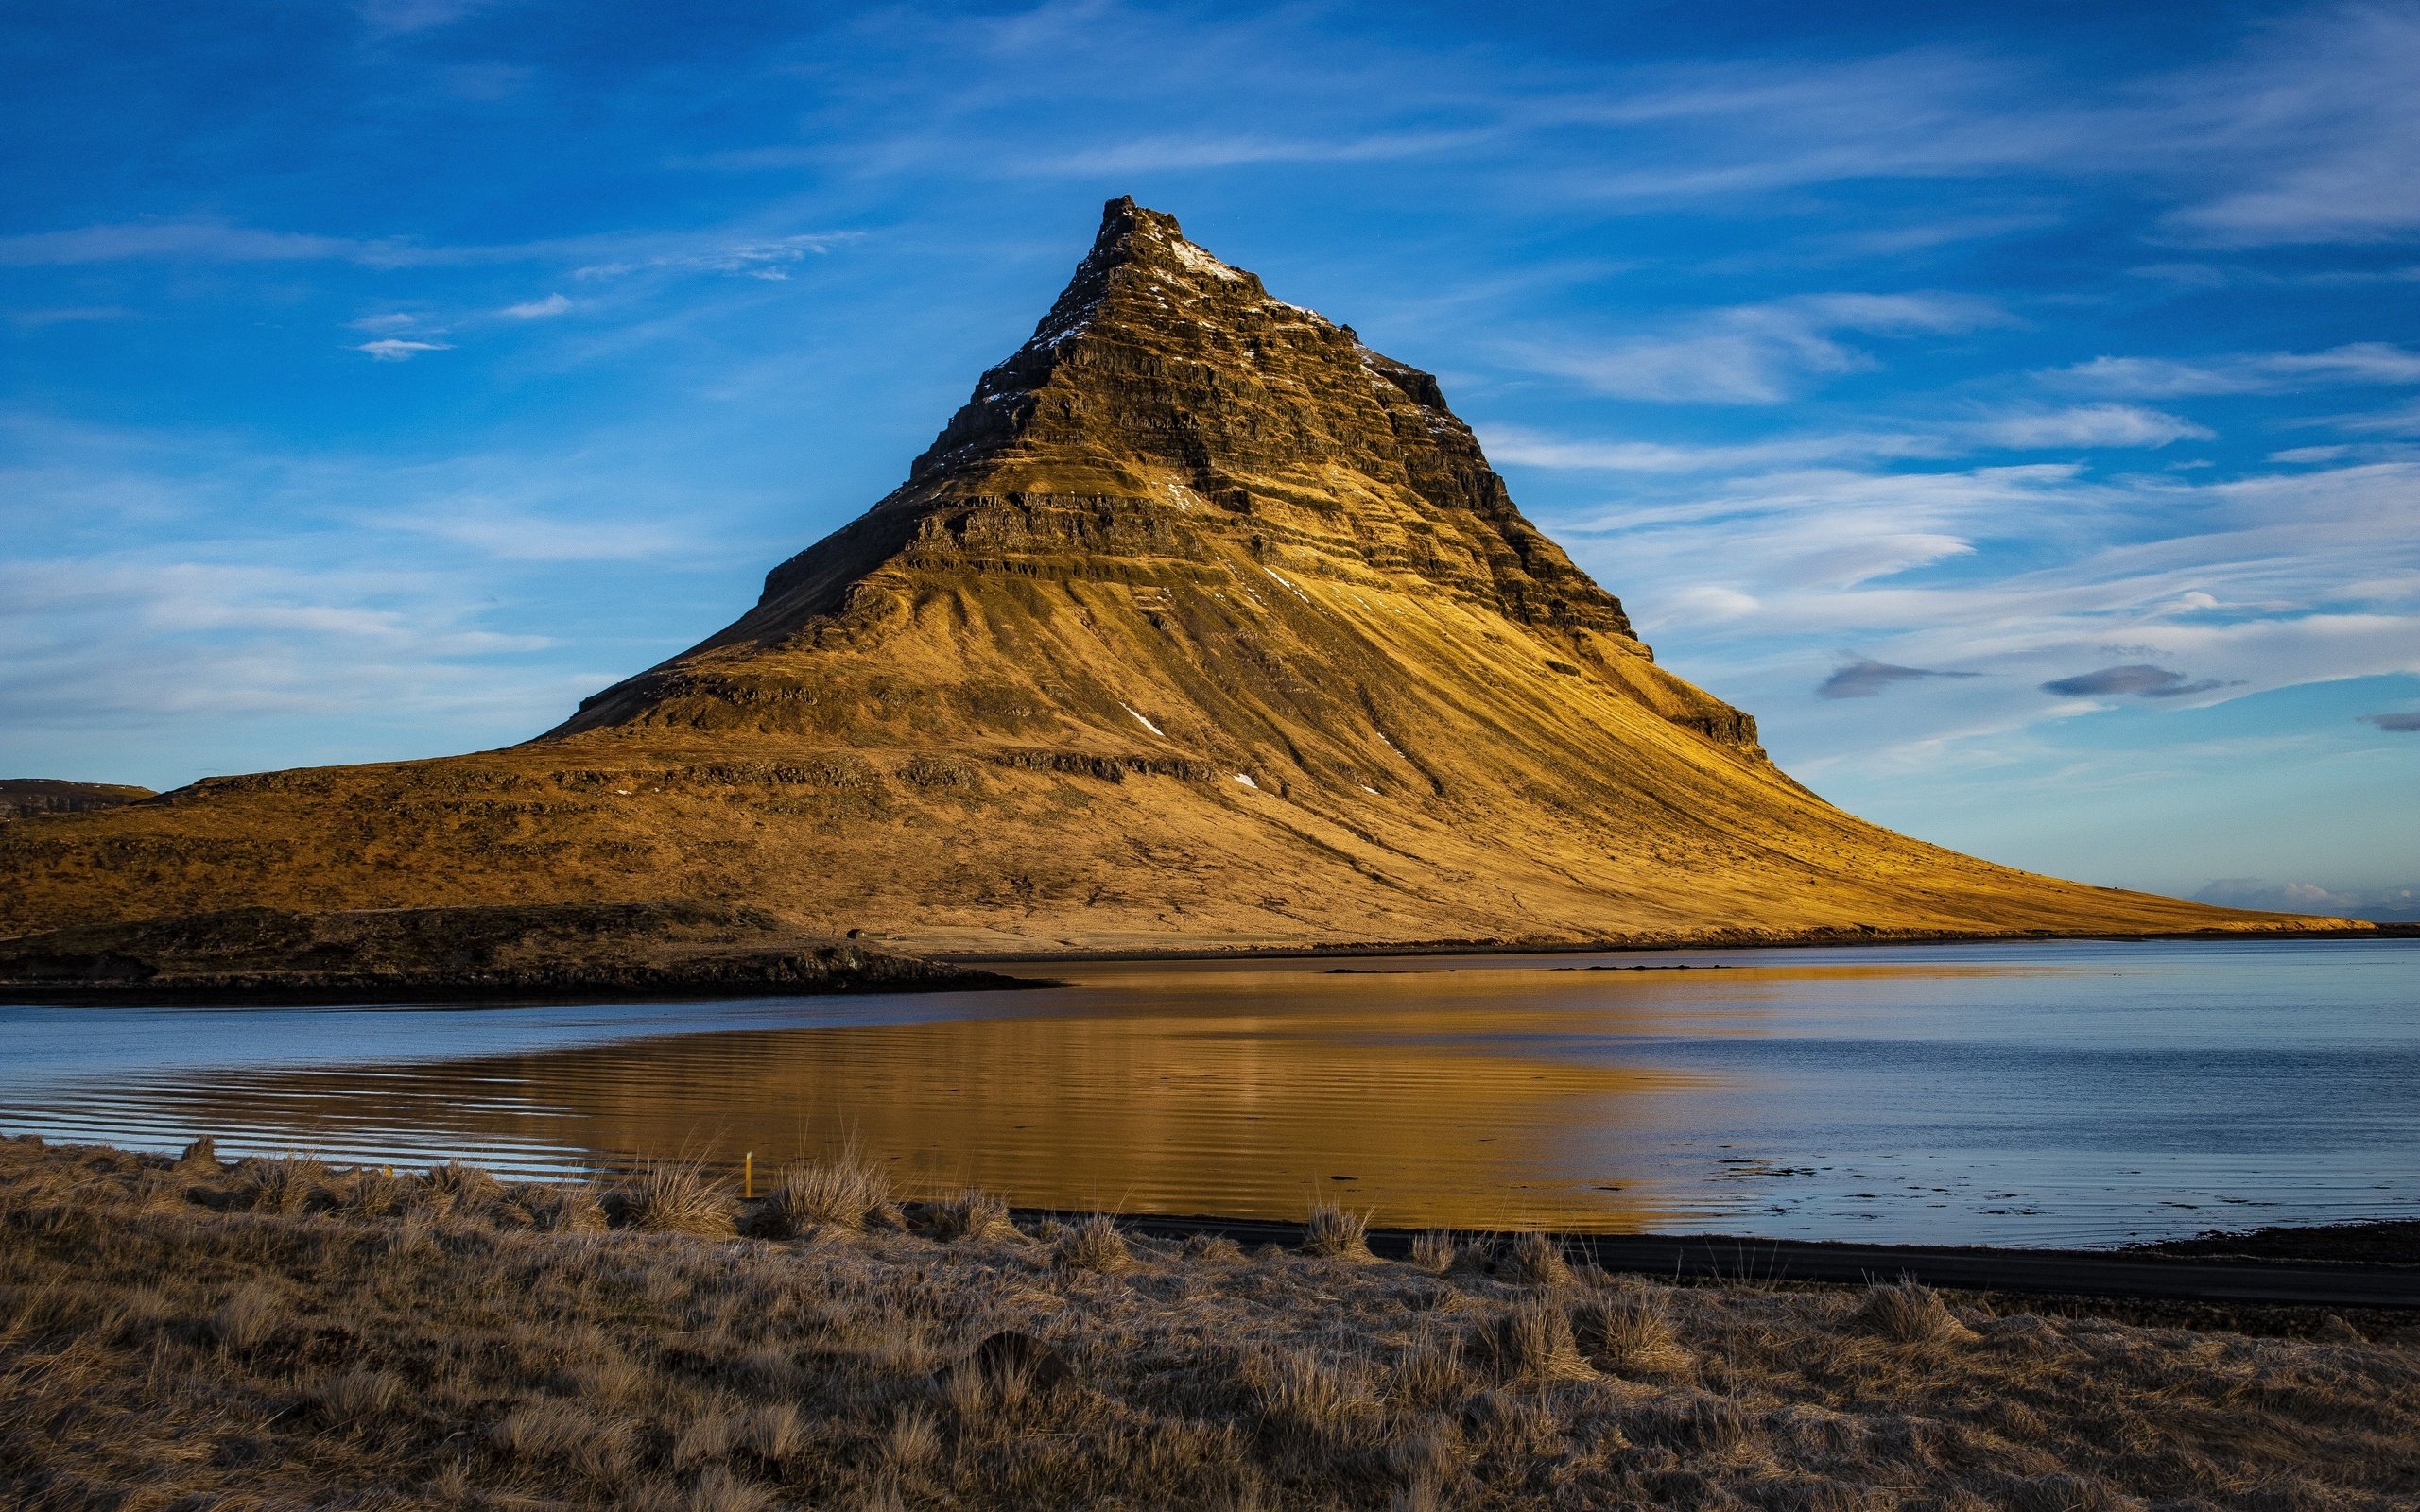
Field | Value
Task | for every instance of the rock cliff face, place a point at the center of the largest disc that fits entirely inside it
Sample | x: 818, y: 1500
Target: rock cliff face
x: 22, y: 797
x: 1200, y: 624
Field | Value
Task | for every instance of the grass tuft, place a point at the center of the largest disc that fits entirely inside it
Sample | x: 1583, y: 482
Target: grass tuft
x: 360, y: 1395
x: 1533, y: 1260
x: 247, y: 1318
x: 1097, y: 1245
x: 847, y: 1191
x: 1434, y: 1250
x: 1335, y: 1232
x: 1534, y: 1342
x: 915, y: 1441
x: 281, y: 1184
x: 1907, y: 1313
x: 1629, y: 1332
x: 373, y: 1191
x: 454, y: 1186
x: 574, y: 1208
x: 674, y: 1197
x: 971, y: 1216
x: 1308, y: 1400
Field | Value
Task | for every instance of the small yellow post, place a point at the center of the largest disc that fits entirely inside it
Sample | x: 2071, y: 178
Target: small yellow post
x: 748, y: 1175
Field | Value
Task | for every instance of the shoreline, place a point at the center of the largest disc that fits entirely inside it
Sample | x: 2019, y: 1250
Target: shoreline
x: 471, y: 997
x: 2372, y: 1264
x: 1624, y: 945
x: 2143, y: 1272
x: 865, y: 964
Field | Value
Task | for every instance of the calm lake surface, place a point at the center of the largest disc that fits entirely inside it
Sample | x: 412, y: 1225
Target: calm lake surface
x: 2031, y: 1094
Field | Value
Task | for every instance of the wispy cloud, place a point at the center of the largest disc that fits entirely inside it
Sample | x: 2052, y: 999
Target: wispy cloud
x: 180, y: 240
x: 68, y: 315
x: 772, y: 259
x: 397, y: 16
x: 1159, y: 154
x: 2403, y: 419
x: 395, y: 348
x: 2090, y: 427
x: 503, y: 531
x: 2400, y: 722
x: 2357, y: 364
x: 241, y: 607
x: 2308, y: 134
x: 204, y: 241
x: 2319, y: 123
x: 2382, y: 905
x: 1760, y: 353
x: 161, y: 640
x: 1523, y: 447
x: 536, y: 309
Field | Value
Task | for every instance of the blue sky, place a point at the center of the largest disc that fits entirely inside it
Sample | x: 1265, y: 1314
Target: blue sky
x: 2016, y: 407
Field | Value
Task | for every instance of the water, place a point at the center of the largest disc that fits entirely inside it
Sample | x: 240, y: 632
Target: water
x: 2070, y: 1093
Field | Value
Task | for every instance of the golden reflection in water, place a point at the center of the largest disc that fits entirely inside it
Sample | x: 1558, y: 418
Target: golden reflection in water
x: 1481, y: 1098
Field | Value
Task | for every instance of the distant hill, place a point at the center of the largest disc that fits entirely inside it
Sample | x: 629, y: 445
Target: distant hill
x: 1200, y: 626
x: 25, y: 796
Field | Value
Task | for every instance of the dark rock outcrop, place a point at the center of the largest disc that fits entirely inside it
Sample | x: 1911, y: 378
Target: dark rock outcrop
x: 543, y: 949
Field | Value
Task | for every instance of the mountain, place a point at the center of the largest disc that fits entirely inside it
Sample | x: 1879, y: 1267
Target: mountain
x: 22, y: 797
x: 1202, y: 624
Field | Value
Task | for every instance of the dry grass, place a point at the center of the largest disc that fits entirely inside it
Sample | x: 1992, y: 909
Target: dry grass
x: 971, y: 1215
x: 1531, y: 1259
x: 1434, y: 1250
x: 1628, y: 1329
x: 1096, y: 1245
x: 190, y: 1336
x: 1336, y: 1233
x: 1908, y: 1314
x: 675, y: 1197
x: 847, y: 1191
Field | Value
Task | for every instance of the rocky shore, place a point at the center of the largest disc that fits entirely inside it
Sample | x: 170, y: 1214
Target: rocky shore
x: 554, y: 950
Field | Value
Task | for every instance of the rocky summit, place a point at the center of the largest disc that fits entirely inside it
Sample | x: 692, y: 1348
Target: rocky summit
x: 1200, y: 626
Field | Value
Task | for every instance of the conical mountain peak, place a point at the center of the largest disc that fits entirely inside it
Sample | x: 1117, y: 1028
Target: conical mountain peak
x: 1200, y: 624
x: 1146, y: 247
x: 1168, y: 410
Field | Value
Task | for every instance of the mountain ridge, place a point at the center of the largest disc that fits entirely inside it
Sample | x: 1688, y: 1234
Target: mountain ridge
x: 1199, y: 623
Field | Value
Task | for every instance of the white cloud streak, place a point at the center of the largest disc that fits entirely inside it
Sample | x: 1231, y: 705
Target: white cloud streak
x: 396, y: 348
x: 2087, y: 427
x: 2359, y: 364
x: 1757, y: 354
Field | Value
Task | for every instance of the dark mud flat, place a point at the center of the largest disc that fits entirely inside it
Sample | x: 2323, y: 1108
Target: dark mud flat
x: 417, y: 955
x: 2218, y: 1277
x: 2371, y: 1243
